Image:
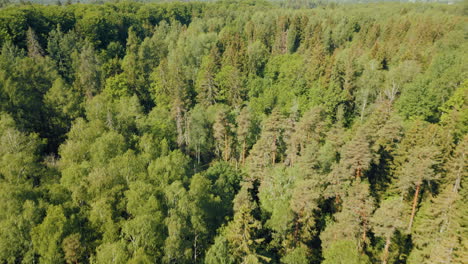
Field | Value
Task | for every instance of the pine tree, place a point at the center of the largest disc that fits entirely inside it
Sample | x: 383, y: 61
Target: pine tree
x: 416, y: 171
x: 231, y: 86
x: 222, y: 134
x: 206, y: 86
x: 257, y: 56
x: 89, y: 75
x: 170, y: 90
x: 352, y: 222
x: 241, y: 232
x: 438, y: 233
x: 418, y: 159
x: 305, y: 200
x: 356, y: 156
x: 244, y: 125
x: 60, y: 47
x: 266, y: 149
x: 311, y: 127
x: 290, y: 138
x: 387, y: 219
x: 34, y: 47
x: 130, y: 63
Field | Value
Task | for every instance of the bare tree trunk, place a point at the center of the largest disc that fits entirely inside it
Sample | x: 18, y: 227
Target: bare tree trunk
x: 226, y: 146
x: 179, y: 126
x: 364, y: 230
x: 195, y: 249
x: 364, y: 233
x: 198, y: 153
x: 386, y: 248
x: 358, y: 173
x: 296, y: 227
x: 415, y: 203
x: 273, y: 158
x: 243, y: 152
x: 363, y: 108
x: 456, y: 186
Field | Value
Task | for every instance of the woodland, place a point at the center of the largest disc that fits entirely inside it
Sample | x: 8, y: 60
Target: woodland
x: 233, y: 132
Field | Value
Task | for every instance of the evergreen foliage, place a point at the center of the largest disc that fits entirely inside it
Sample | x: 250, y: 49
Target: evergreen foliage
x: 233, y: 132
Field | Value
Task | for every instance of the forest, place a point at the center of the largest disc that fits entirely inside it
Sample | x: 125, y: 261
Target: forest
x: 230, y: 132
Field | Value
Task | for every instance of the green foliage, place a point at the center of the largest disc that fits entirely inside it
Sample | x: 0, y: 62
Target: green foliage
x: 233, y: 132
x: 88, y: 72
x: 145, y: 227
x: 168, y: 169
x: 239, y: 237
x: 110, y: 252
x: 344, y: 251
x: 231, y: 86
x: 219, y: 252
x: 298, y: 255
x: 19, y: 153
x: 454, y: 111
x: 72, y: 248
x: 47, y: 237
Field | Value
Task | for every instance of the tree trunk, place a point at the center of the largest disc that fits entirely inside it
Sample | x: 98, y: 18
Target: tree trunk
x: 179, y: 126
x: 364, y: 233
x: 226, y: 146
x: 456, y: 186
x: 386, y: 248
x: 243, y: 152
x: 273, y: 158
x: 198, y: 153
x: 195, y: 249
x: 363, y: 108
x: 296, y: 230
x: 296, y: 227
x: 358, y: 172
x: 415, y: 202
x: 364, y: 230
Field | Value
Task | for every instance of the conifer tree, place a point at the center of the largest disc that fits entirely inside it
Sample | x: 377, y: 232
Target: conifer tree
x: 244, y: 125
x: 356, y: 155
x: 227, y: 133
x: 222, y: 134
x: 266, y: 149
x: 89, y: 75
x: 438, y: 233
x: 231, y: 86
x: 130, y: 63
x: 387, y: 219
x: 34, y: 47
x: 206, y: 85
x: 241, y: 232
x: 416, y: 171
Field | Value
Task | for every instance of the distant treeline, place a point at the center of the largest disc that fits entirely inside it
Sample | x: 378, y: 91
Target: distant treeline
x: 284, y: 3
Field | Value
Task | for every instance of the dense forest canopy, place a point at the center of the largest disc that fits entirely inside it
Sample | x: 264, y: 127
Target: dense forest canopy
x: 233, y: 132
